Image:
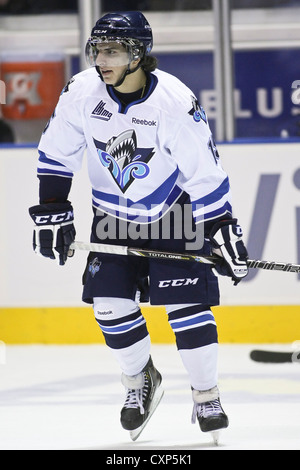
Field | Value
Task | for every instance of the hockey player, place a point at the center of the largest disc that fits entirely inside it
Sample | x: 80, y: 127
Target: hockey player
x: 149, y: 150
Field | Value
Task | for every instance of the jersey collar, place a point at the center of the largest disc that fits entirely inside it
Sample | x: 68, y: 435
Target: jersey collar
x: 151, y: 83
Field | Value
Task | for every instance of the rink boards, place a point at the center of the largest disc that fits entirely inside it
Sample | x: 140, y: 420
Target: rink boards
x: 40, y: 302
x: 236, y: 324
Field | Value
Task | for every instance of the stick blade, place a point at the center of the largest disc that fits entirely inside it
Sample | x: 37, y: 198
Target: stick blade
x: 276, y: 357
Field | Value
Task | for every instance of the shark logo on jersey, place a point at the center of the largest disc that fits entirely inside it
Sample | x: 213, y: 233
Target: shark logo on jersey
x: 124, y: 160
x: 197, y: 111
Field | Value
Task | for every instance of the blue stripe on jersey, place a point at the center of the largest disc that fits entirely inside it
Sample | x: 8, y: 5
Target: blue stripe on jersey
x: 46, y: 171
x: 226, y: 208
x: 214, y: 196
x: 137, y: 217
x: 44, y: 159
x: 157, y: 197
x: 52, y: 167
x: 212, y: 205
x: 140, y: 210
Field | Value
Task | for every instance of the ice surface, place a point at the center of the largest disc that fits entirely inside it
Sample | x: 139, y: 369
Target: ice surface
x: 69, y: 398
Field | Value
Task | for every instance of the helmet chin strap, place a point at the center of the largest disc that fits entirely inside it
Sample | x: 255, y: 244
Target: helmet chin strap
x: 127, y: 72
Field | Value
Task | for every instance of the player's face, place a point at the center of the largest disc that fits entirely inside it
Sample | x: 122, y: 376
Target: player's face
x: 113, y: 60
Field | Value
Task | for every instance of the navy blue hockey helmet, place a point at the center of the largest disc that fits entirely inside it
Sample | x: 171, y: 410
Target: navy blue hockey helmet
x: 129, y: 28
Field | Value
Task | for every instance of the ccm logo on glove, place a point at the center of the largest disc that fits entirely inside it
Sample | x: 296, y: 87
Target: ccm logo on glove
x: 53, y: 218
x: 54, y: 231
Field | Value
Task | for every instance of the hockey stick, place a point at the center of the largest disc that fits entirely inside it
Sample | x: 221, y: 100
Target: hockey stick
x: 276, y: 357
x: 127, y: 251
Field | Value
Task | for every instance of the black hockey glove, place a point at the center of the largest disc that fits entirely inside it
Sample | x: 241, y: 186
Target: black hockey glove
x: 226, y: 238
x: 54, y: 230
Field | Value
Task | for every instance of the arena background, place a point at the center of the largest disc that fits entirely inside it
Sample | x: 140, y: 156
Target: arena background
x: 41, y: 302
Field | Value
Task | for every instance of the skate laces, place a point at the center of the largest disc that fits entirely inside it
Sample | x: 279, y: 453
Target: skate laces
x: 209, y: 408
x: 136, y: 397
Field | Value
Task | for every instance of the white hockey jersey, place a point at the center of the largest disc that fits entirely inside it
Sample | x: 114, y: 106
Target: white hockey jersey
x: 141, y: 157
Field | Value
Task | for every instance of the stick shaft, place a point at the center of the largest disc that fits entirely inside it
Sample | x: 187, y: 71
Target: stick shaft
x: 274, y: 266
x: 127, y: 251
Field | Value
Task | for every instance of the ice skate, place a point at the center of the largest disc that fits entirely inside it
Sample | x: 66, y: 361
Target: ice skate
x: 209, y: 412
x: 144, y: 393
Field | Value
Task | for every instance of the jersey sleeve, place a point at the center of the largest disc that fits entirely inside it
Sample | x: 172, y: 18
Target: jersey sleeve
x: 62, y: 144
x: 201, y: 172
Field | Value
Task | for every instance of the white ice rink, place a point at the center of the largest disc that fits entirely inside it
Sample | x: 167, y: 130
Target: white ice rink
x: 69, y: 398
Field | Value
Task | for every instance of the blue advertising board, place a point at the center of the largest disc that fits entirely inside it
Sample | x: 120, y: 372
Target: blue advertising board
x: 267, y: 103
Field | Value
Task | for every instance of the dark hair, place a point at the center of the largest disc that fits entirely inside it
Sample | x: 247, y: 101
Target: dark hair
x: 149, y: 63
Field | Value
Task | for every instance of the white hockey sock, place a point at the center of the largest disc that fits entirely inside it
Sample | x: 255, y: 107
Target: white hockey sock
x: 133, y: 359
x: 125, y: 332
x: 201, y: 366
x: 197, y: 342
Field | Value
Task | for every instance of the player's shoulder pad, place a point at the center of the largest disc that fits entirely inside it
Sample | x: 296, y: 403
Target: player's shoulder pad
x: 177, y: 98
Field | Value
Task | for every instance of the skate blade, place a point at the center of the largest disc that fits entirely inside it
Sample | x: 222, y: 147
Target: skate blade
x: 156, y: 400
x: 215, y: 435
